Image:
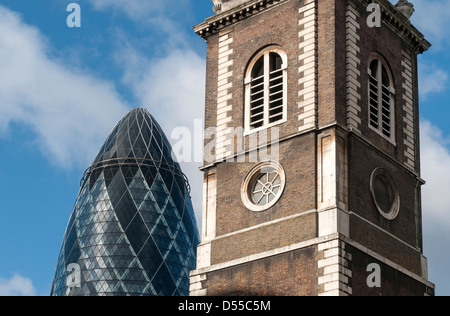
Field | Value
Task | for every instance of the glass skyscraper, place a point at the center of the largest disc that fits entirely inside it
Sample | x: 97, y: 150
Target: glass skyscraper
x: 132, y: 230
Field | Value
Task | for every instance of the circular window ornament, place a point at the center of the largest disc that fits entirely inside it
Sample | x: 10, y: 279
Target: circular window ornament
x: 385, y: 194
x: 263, y: 186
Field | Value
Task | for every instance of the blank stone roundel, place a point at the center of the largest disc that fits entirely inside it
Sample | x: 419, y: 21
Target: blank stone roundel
x: 385, y: 194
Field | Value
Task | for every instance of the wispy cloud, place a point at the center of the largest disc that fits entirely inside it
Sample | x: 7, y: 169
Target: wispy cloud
x: 139, y: 11
x: 431, y: 80
x: 172, y: 85
x: 69, y: 111
x: 435, y: 160
x: 172, y: 88
x: 17, y: 285
x: 432, y: 17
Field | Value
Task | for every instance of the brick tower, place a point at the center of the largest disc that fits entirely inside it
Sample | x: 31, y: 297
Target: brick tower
x: 330, y: 89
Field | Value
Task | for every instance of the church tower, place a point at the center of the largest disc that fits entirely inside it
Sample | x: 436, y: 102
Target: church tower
x: 312, y: 179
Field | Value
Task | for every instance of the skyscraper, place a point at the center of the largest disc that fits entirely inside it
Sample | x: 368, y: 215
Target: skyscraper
x: 132, y: 230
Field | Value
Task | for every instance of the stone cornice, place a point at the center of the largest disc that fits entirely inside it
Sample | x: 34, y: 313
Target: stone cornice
x: 390, y: 15
x: 400, y: 24
x: 217, y: 22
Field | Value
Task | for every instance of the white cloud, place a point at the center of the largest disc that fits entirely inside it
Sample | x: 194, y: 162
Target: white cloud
x: 435, y: 161
x: 139, y: 10
x: 432, y: 17
x: 431, y: 80
x: 134, y: 8
x: 17, y: 286
x: 172, y: 88
x: 70, y: 112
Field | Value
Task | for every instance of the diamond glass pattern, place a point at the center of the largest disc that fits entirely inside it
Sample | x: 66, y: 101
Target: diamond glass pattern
x: 132, y: 230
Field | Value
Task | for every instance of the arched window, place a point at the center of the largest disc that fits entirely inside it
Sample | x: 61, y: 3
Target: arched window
x: 381, y: 98
x: 266, y: 89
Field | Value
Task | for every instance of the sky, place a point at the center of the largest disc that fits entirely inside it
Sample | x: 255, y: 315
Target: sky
x: 63, y: 89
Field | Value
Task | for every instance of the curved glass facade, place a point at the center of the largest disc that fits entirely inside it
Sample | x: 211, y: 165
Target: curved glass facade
x: 132, y: 230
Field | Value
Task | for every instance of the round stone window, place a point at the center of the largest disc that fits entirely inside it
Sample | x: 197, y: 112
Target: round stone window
x: 385, y: 194
x: 263, y: 186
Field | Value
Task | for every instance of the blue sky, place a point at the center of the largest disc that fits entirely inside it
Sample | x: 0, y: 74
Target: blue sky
x: 63, y: 89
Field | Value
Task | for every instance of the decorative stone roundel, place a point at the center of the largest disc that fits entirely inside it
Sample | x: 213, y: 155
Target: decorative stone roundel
x: 263, y: 186
x: 385, y: 194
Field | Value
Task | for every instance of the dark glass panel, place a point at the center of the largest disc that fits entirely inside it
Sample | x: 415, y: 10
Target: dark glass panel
x: 139, y: 148
x: 163, y: 282
x: 178, y: 199
x: 167, y: 154
x: 275, y: 61
x: 171, y: 211
x: 146, y: 133
x: 93, y: 178
x: 167, y: 177
x: 189, y: 225
x: 139, y: 118
x: 74, y: 254
x: 150, y: 258
x: 258, y: 68
x: 124, y: 147
x: 137, y: 233
x: 129, y: 173
x: 134, y: 130
x: 109, y: 174
x: 374, y: 68
x: 163, y: 243
x: 155, y: 151
x: 161, y: 199
x: 125, y: 209
x: 70, y: 240
x: 149, y: 212
x: 149, y: 174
